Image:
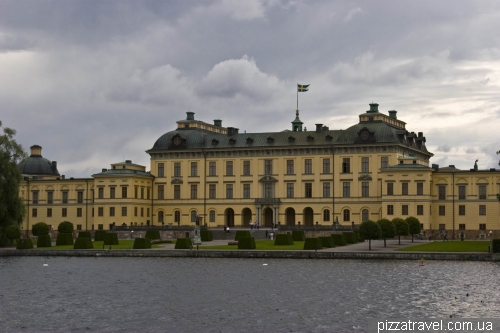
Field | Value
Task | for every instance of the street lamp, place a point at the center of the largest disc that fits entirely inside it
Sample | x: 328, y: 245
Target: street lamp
x: 299, y: 224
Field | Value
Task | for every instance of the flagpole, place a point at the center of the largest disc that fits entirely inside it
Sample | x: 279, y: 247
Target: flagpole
x: 297, y: 95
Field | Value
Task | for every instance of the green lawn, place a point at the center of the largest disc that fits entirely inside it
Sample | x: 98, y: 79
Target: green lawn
x: 260, y: 245
x: 124, y: 245
x: 451, y: 246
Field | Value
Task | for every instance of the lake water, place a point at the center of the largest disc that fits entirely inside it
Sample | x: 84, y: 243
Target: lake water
x: 236, y: 295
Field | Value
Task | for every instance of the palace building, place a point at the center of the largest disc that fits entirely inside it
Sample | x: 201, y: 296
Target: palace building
x: 377, y: 168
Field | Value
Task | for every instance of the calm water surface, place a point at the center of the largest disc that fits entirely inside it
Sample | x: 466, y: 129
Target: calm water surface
x: 236, y: 295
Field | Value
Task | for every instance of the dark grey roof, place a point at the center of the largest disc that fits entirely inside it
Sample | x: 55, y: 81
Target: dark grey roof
x: 37, y: 165
x: 407, y: 166
x: 123, y: 172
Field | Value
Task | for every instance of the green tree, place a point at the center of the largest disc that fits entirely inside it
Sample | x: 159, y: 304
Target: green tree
x: 413, y: 225
x: 11, y: 205
x: 65, y: 227
x: 370, y: 230
x: 387, y: 228
x: 40, y: 229
x: 13, y: 232
x: 402, y: 228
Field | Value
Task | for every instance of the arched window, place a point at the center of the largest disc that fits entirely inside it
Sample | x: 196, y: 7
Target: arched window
x: 160, y: 217
x: 326, y: 215
x: 212, y: 216
x: 193, y: 216
x: 347, y: 215
x: 364, y: 215
x: 177, y: 216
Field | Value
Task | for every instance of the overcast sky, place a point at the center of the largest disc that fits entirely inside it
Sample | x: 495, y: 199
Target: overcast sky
x: 97, y: 82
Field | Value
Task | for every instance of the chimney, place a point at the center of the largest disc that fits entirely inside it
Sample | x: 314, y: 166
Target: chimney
x: 128, y: 161
x: 104, y: 169
x: 218, y: 122
x: 420, y: 134
x: 190, y: 115
x: 392, y: 114
x: 373, y: 108
x: 435, y: 167
x: 325, y: 128
x: 54, y: 165
x: 318, y: 128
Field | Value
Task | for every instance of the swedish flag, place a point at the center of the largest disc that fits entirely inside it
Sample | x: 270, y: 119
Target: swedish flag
x: 302, y: 87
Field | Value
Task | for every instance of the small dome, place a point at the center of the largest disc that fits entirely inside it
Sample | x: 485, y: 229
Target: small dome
x: 37, y: 165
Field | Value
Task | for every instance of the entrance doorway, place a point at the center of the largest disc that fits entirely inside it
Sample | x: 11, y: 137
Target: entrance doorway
x: 290, y: 217
x: 246, y: 216
x: 268, y: 217
x: 308, y: 217
x: 229, y: 217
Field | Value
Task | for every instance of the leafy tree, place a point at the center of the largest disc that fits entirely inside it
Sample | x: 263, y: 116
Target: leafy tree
x: 65, y: 227
x: 401, y: 226
x: 13, y: 232
x: 413, y: 225
x: 40, y: 229
x: 387, y: 228
x: 370, y: 230
x: 11, y: 205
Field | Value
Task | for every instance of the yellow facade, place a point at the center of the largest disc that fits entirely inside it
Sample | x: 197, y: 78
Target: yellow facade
x: 372, y: 170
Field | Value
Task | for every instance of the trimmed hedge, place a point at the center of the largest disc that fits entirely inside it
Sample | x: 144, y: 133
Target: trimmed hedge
x: 83, y: 243
x: 111, y: 238
x: 84, y: 234
x: 206, y: 235
x: 40, y: 229
x: 339, y: 239
x: 242, y: 234
x: 65, y: 227
x: 495, y: 245
x: 142, y: 243
x: 44, y: 241
x: 283, y: 239
x: 24, y: 243
x: 312, y: 244
x: 64, y: 239
x: 247, y: 243
x: 153, y: 234
x: 298, y: 235
x: 183, y: 243
x: 99, y: 235
x: 327, y: 241
x: 350, y: 237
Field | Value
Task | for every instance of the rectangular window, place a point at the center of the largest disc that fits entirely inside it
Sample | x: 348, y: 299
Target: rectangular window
x: 124, y: 211
x: 308, y: 190
x: 212, y: 169
x: 229, y: 168
x: 268, y: 190
x: 461, y: 226
x: 111, y: 211
x: 461, y: 210
x: 161, y: 170
x: 384, y: 161
x: 420, y: 188
x: 50, y: 197
x: 142, y: 192
x: 161, y: 192
x: 482, y: 209
x: 147, y: 212
x: 364, y: 215
x: 346, y: 193
x: 194, y: 191
x: 212, y: 216
x: 193, y: 216
x: 100, y: 211
x: 268, y: 167
x: 124, y: 192
x: 442, y: 192
x: 404, y: 188
x: 390, y: 188
x: 289, y: 167
x: 194, y: 169
x: 289, y: 190
x: 308, y: 166
x: 79, y: 212
x: 365, y: 189
x: 482, y: 192
x: 347, y: 215
x: 65, y: 197
x: 148, y: 193
x: 100, y: 192
x: 136, y: 192
x: 365, y: 164
x: 177, y: 169
x: 246, y: 168
x: 35, y: 197
x: 326, y: 165
x: 390, y: 210
x: 461, y: 192
x: 482, y: 226
x: 64, y: 212
x: 49, y: 212
x: 34, y: 212
x: 246, y: 191
x: 135, y: 211
x: 92, y: 212
x: 420, y: 209
x: 112, y: 192
x: 404, y: 210
x: 177, y: 191
x: 326, y: 190
x: 229, y: 191
x: 442, y: 210
x: 346, y: 165
x: 211, y: 191
x: 326, y: 215
x: 79, y: 227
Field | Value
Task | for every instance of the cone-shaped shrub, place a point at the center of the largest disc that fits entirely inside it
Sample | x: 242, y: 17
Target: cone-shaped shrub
x: 298, y: 235
x: 84, y: 234
x: 153, y: 234
x: 111, y: 238
x: 40, y: 229
x: 242, y: 234
x: 247, y: 243
x: 83, y: 243
x: 327, y: 241
x: 44, y: 241
x: 312, y: 244
x: 142, y: 243
x: 99, y: 235
x: 183, y: 243
x: 65, y: 227
x: 206, y: 235
x: 64, y: 239
x: 283, y: 239
x: 339, y: 239
x: 24, y: 243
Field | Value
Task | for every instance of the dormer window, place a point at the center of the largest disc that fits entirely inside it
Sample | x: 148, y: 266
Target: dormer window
x: 328, y: 137
x: 310, y: 138
x: 215, y: 142
x: 249, y: 141
x: 232, y: 141
x: 270, y: 140
x: 291, y: 139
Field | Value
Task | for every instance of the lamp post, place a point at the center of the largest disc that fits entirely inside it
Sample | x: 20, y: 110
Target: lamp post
x: 299, y: 225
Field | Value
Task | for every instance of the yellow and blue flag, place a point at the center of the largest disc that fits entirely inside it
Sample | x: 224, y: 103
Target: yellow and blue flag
x: 302, y: 87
